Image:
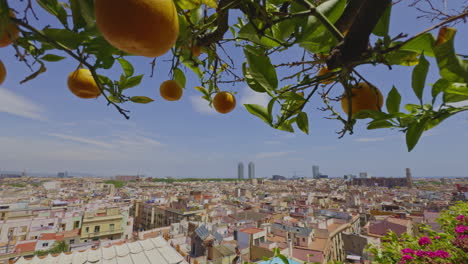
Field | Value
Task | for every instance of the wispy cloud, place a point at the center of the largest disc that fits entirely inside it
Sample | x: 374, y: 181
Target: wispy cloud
x: 18, y: 105
x: 251, y: 97
x: 82, y: 140
x: 370, y: 139
x: 263, y: 155
x: 201, y: 105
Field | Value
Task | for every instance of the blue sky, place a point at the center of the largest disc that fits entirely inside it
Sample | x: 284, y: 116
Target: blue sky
x: 45, y: 128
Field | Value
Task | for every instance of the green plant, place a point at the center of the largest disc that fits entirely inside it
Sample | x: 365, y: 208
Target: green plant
x: 331, y: 33
x: 58, y: 247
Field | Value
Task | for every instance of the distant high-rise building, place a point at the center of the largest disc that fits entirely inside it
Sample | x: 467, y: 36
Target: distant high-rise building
x: 363, y: 175
x: 251, y: 170
x: 409, y: 178
x: 240, y: 171
x: 315, y: 172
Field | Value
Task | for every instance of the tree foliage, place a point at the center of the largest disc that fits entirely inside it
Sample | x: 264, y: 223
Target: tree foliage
x: 58, y: 247
x: 338, y: 34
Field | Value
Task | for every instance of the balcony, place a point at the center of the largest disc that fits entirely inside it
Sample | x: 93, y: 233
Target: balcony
x: 102, y: 233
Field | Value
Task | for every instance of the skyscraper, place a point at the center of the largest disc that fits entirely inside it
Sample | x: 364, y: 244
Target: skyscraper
x: 240, y: 171
x: 315, y: 172
x: 251, y: 170
x: 409, y: 178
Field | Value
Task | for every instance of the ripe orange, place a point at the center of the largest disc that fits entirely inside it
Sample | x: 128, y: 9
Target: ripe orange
x: 224, y: 102
x: 196, y: 51
x: 141, y: 27
x: 323, y: 71
x: 364, y: 97
x: 170, y: 90
x: 9, y: 31
x: 81, y: 83
x: 2, y: 72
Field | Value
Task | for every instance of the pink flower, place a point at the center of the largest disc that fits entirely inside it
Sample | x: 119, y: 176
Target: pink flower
x: 407, y: 257
x: 461, y: 229
x: 442, y: 254
x: 437, y: 237
x: 431, y: 254
x: 407, y: 251
x: 424, y: 241
x: 460, y: 218
x: 421, y: 253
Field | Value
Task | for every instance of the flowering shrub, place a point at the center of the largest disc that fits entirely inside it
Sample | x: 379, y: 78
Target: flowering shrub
x: 447, y: 247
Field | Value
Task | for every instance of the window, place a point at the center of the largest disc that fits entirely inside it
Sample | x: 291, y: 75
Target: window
x: 72, y: 241
x: 303, y: 239
x: 111, y: 226
x: 76, y: 225
x: 87, y: 229
x: 51, y: 224
x: 97, y: 229
x: 45, y: 244
x: 24, y: 229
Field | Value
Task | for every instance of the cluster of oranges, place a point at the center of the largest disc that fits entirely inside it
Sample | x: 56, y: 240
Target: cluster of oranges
x: 150, y: 29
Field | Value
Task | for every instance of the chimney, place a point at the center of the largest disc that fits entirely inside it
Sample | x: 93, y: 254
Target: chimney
x: 290, y: 247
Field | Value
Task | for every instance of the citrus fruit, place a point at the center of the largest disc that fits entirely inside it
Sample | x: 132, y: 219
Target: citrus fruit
x: 324, y: 71
x: 9, y: 31
x: 170, y: 90
x: 81, y: 83
x: 196, y: 51
x: 224, y: 102
x: 2, y: 72
x: 141, y: 27
x: 364, y: 97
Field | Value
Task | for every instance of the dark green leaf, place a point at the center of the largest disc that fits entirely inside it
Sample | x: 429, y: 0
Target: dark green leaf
x: 179, y: 77
x: 249, y: 79
x: 78, y: 21
x: 379, y: 124
x: 259, y: 111
x: 370, y: 114
x: 66, y: 37
x: 87, y: 12
x: 262, y: 71
x: 393, y: 101
x: 127, y: 67
x: 303, y: 122
x: 439, y: 87
x: 381, y: 29
x: 52, y: 57
x: 402, y: 57
x: 419, y: 77
x: 451, y: 66
x: 141, y: 99
x: 332, y: 9
x: 414, y: 133
x: 133, y: 81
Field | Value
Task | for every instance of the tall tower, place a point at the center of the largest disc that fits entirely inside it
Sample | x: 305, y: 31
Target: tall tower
x: 409, y: 178
x: 240, y: 171
x: 315, y: 172
x: 251, y: 170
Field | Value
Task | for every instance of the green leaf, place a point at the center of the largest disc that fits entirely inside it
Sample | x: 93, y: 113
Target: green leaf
x: 66, y: 37
x: 87, y: 12
x: 250, y: 80
x: 78, y: 21
x: 414, y: 133
x: 381, y: 29
x: 127, y: 67
x: 379, y: 124
x: 423, y: 43
x: 141, y: 99
x: 283, y: 259
x: 179, y: 77
x: 332, y: 9
x: 262, y: 71
x: 402, y: 57
x: 303, y: 122
x: 133, y: 81
x: 439, y: 87
x: 56, y: 9
x: 451, y: 66
x: 259, y: 111
x: 393, y: 101
x: 419, y: 77
x: 202, y: 90
x: 52, y: 57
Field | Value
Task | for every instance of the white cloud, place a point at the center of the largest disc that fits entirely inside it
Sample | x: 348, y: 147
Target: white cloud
x: 263, y: 155
x: 18, y: 105
x: 82, y: 140
x: 370, y: 139
x: 201, y: 105
x: 249, y: 96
